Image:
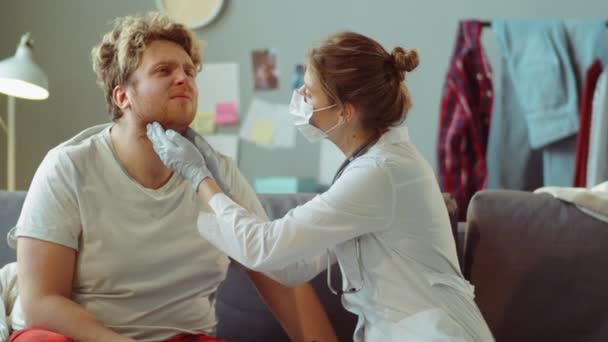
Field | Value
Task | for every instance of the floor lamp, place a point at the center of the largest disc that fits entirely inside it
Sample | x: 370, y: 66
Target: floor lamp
x: 20, y: 77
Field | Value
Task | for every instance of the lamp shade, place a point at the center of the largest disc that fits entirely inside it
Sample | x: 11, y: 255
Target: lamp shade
x: 20, y: 76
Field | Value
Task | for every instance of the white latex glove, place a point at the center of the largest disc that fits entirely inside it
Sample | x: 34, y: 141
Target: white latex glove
x: 211, y: 158
x: 178, y: 154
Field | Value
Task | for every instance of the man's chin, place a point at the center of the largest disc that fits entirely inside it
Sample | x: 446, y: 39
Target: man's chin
x: 180, y: 128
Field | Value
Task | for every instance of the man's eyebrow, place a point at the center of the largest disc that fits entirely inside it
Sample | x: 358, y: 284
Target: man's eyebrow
x: 164, y: 62
x: 172, y: 63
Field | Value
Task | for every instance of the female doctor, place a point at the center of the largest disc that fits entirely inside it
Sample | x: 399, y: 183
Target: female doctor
x: 383, y: 219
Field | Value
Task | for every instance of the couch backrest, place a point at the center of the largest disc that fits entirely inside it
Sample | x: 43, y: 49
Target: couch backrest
x: 539, y: 267
x: 10, y: 207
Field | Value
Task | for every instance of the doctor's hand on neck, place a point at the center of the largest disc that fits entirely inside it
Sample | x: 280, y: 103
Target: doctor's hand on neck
x: 184, y: 157
x: 178, y: 154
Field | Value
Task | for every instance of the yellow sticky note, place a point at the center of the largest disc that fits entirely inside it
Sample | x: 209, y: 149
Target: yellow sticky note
x: 203, y: 123
x: 262, y: 132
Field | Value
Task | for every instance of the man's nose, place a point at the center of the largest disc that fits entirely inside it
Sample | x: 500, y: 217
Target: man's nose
x: 182, y: 76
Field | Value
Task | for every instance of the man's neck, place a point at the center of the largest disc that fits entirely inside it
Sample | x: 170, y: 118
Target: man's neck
x: 134, y: 152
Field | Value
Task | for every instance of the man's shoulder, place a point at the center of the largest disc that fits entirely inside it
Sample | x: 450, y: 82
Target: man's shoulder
x: 84, y: 138
x: 226, y: 165
x: 82, y: 142
x: 77, y: 149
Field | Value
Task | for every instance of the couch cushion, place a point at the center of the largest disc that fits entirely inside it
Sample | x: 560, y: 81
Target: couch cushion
x: 10, y: 208
x: 539, y: 267
x: 244, y: 317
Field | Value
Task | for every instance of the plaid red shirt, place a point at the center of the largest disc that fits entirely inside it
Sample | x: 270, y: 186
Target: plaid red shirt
x: 466, y: 106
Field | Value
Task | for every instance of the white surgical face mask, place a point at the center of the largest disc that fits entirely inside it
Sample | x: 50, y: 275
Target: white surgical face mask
x: 302, y: 112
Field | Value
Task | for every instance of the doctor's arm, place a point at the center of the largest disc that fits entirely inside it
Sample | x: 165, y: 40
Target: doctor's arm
x: 362, y: 201
x: 298, y: 309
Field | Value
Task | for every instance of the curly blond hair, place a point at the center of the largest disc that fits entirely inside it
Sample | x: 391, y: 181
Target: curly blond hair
x: 119, y: 53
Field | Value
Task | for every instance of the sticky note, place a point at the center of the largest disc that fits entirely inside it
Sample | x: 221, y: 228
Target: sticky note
x: 203, y: 123
x: 261, y: 132
x: 226, y: 113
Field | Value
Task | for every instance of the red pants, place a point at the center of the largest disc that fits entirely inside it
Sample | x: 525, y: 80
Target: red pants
x: 37, y: 335
x: 41, y: 335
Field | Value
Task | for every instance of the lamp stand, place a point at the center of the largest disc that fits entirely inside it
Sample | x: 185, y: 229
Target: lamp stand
x: 10, y: 139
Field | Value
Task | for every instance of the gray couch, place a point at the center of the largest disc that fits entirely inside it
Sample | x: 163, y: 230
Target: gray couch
x: 539, y: 267
x: 243, y: 317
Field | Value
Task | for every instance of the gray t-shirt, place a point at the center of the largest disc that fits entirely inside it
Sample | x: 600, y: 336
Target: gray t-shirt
x: 142, y: 268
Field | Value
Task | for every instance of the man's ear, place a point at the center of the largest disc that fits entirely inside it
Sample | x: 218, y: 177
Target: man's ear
x: 120, y: 97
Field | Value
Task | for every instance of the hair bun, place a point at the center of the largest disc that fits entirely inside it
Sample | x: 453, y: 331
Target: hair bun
x: 405, y: 60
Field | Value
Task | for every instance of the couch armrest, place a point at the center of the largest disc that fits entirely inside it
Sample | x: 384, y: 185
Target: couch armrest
x: 537, y: 265
x: 10, y: 208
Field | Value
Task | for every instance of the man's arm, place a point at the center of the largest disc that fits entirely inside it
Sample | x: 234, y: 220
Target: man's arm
x: 298, y: 309
x: 4, y: 324
x: 46, y: 272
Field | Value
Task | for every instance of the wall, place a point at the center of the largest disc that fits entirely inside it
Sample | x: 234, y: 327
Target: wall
x: 66, y: 30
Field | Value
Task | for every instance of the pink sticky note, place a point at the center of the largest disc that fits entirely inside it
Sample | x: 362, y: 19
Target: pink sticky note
x: 226, y: 113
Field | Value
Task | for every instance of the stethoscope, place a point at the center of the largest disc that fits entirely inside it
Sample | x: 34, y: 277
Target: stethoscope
x: 359, y: 152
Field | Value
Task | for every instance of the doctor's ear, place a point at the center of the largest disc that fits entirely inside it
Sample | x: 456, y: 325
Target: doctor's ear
x: 120, y: 97
x: 348, y: 112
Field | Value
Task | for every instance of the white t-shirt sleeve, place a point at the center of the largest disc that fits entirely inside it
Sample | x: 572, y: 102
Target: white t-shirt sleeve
x: 241, y: 190
x: 50, y: 211
x: 4, y: 324
x: 360, y: 202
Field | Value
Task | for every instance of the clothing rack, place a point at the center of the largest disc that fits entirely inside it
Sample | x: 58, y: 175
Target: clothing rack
x: 489, y: 24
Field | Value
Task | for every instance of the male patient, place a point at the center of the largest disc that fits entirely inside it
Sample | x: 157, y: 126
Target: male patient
x: 108, y: 248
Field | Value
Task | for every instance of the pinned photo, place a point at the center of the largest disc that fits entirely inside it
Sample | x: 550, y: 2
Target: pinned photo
x: 265, y: 73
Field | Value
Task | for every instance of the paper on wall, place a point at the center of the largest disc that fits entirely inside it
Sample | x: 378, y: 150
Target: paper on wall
x: 285, y: 136
x: 203, y: 123
x: 226, y: 113
x: 261, y: 132
x: 218, y: 83
x: 260, y: 117
x: 226, y: 144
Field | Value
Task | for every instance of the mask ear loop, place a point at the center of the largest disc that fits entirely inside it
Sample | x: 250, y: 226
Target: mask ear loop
x: 324, y: 108
x: 340, y: 123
